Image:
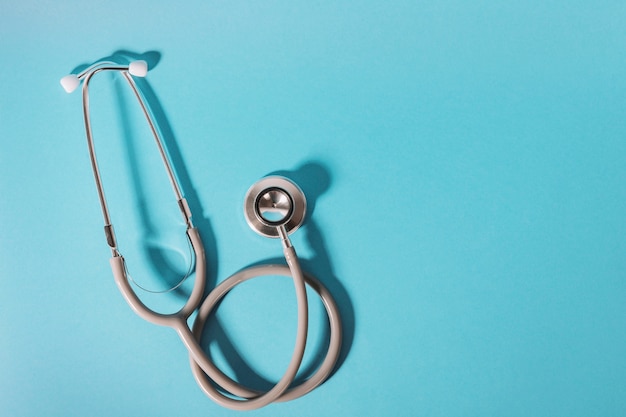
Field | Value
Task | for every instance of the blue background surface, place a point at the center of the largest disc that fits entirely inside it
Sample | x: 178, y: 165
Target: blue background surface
x: 465, y: 162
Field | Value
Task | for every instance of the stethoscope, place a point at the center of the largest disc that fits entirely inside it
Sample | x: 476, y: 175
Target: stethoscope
x: 273, y: 207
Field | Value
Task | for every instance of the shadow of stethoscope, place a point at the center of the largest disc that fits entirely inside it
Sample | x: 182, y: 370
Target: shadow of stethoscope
x: 312, y: 176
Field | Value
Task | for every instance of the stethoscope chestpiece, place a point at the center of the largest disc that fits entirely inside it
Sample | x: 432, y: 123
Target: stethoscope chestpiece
x: 273, y: 202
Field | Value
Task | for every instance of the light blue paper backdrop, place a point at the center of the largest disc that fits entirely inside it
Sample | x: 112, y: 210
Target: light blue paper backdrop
x: 465, y: 163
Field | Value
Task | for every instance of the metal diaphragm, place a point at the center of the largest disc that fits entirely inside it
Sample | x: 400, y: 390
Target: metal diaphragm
x: 272, y: 202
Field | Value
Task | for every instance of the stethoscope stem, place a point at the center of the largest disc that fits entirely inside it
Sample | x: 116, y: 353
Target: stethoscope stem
x: 284, y: 238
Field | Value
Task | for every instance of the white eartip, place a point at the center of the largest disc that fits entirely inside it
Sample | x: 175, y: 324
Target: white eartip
x: 70, y: 83
x: 138, y: 68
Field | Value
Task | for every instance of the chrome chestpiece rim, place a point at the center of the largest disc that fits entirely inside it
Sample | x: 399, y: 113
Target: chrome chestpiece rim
x: 272, y: 202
